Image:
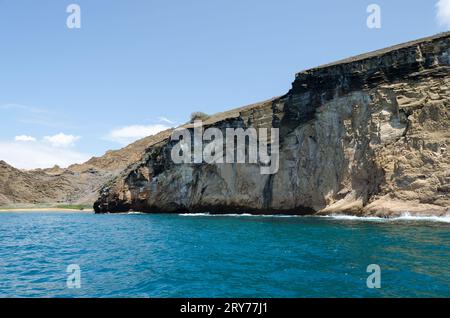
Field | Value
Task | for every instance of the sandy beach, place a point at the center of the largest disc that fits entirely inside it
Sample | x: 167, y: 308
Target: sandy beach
x: 45, y: 210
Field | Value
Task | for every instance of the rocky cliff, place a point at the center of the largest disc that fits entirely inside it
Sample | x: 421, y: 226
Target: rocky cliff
x: 367, y: 135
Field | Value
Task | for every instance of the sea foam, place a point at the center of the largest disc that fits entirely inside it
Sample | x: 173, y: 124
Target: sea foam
x: 405, y: 217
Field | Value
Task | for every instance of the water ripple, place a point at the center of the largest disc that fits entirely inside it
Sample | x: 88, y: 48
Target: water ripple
x: 222, y: 256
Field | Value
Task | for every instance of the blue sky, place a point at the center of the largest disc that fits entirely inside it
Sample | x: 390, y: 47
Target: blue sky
x: 135, y: 67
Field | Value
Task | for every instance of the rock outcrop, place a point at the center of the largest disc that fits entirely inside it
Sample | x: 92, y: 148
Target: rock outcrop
x: 364, y: 136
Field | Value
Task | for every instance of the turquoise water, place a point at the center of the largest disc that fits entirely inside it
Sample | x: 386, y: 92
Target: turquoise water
x: 220, y: 256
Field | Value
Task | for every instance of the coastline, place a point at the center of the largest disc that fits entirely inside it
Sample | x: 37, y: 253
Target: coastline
x: 405, y: 216
x: 44, y: 210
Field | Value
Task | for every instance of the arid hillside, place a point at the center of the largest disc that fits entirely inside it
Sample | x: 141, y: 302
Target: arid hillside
x: 368, y: 135
x: 76, y: 185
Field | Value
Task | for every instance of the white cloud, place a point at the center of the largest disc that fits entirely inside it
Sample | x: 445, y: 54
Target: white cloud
x: 26, y: 152
x: 443, y: 12
x: 128, y: 134
x: 24, y: 138
x: 31, y: 155
x: 166, y: 120
x: 26, y: 108
x: 25, y: 114
x: 61, y: 140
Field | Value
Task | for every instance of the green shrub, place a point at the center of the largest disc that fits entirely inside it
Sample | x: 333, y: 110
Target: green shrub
x: 80, y: 207
x: 198, y: 116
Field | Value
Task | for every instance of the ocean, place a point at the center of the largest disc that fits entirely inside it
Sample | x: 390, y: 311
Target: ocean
x: 161, y: 255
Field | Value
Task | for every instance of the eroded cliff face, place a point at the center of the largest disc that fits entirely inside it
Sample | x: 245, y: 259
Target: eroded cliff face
x: 368, y: 135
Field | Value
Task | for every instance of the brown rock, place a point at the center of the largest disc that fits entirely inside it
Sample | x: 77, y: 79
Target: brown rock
x: 366, y: 135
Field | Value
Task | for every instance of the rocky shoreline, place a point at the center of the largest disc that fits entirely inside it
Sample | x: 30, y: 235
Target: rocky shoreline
x: 364, y: 136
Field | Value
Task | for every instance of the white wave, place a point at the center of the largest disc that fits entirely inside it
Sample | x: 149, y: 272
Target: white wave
x: 409, y: 217
x: 243, y: 214
x: 283, y: 216
x: 133, y: 212
x: 354, y: 218
x: 209, y: 214
x: 404, y: 217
